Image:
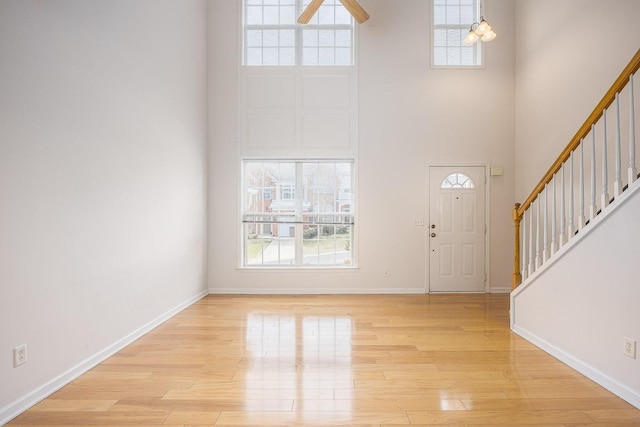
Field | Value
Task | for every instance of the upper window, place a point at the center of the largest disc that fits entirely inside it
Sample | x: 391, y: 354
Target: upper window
x: 451, y: 22
x: 272, y: 37
x: 310, y: 221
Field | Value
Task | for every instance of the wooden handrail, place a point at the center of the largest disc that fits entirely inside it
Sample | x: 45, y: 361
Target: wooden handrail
x: 607, y: 100
x: 584, y: 130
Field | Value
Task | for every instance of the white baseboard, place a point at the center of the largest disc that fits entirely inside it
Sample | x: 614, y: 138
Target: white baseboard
x: 611, y: 384
x: 315, y: 291
x: 20, y: 405
x: 325, y: 291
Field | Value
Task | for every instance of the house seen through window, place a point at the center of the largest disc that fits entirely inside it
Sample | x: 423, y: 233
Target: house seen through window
x: 272, y: 37
x: 308, y: 218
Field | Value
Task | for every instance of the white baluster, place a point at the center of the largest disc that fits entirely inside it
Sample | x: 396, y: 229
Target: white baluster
x: 523, y: 243
x: 593, y: 208
x: 633, y: 172
x: 581, y: 217
x: 553, y: 217
x: 617, y: 183
x: 538, y: 247
x: 604, y: 198
x: 531, y: 264
x: 545, y: 240
x: 563, y: 213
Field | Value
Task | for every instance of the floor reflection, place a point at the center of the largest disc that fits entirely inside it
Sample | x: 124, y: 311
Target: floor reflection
x: 298, y: 360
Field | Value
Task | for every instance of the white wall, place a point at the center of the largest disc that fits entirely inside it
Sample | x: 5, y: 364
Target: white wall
x: 568, y: 55
x: 409, y: 116
x: 581, y: 307
x: 103, y: 128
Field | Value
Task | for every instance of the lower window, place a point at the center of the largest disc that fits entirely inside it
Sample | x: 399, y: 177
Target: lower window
x: 297, y: 213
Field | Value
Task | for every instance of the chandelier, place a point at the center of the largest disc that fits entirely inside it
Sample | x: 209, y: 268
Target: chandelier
x: 480, y: 31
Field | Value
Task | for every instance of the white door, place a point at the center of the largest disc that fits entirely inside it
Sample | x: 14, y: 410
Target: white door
x: 456, y: 229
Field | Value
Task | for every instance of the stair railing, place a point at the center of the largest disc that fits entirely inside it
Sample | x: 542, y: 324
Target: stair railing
x: 541, y: 227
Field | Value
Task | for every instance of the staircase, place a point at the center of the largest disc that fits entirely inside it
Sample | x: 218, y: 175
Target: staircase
x: 576, y: 281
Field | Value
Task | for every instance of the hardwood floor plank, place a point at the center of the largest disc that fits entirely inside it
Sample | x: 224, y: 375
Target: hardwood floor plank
x: 180, y: 418
x: 494, y: 418
x: 323, y: 360
x: 312, y: 418
x: 205, y: 405
x: 584, y: 404
x: 88, y: 418
x: 622, y: 415
x: 80, y: 405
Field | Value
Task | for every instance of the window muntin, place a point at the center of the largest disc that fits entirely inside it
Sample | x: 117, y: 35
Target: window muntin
x: 272, y: 37
x: 451, y: 22
x: 457, y: 180
x: 310, y: 221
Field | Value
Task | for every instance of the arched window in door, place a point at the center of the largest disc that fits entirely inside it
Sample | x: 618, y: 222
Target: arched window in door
x: 457, y: 180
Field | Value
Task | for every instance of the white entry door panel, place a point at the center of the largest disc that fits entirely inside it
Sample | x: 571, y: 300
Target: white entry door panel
x: 456, y: 230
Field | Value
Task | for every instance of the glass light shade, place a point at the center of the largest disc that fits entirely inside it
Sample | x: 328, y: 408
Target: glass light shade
x: 471, y: 37
x: 488, y: 36
x: 483, y: 27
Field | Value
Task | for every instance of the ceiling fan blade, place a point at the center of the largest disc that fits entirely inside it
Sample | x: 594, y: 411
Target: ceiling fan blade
x: 308, y: 13
x: 354, y: 8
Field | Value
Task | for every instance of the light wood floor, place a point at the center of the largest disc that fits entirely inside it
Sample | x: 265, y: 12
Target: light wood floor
x: 334, y: 360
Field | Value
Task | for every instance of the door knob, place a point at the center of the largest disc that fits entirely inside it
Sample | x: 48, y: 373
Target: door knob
x: 433, y: 234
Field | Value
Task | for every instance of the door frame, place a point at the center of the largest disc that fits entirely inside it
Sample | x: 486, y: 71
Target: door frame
x: 487, y: 220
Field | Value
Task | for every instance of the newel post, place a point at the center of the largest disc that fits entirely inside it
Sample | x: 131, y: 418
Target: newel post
x: 516, y: 279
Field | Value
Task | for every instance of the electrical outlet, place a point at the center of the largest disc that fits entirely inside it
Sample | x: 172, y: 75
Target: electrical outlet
x: 19, y: 355
x: 629, y: 348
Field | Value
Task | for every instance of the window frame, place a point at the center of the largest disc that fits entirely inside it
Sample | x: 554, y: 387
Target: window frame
x: 297, y: 216
x: 477, y: 46
x: 298, y: 37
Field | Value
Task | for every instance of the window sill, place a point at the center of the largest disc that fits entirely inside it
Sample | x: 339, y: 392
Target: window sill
x: 297, y: 269
x: 457, y: 67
